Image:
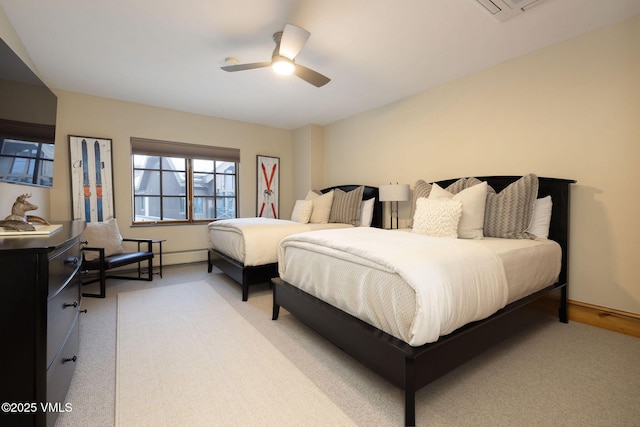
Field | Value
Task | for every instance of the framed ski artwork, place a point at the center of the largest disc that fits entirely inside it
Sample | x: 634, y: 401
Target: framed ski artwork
x: 268, y: 172
x: 91, y: 178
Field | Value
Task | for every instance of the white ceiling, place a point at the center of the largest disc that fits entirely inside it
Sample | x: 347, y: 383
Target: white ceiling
x: 168, y: 54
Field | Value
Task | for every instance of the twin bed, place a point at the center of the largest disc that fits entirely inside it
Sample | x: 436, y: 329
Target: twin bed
x: 413, y: 307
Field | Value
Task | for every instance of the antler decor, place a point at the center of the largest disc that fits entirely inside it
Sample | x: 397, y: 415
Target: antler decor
x: 18, y: 220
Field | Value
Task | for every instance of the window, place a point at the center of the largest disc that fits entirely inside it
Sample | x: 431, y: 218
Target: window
x: 26, y: 162
x: 175, y: 182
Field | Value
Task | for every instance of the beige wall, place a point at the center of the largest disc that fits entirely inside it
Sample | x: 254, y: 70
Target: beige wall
x: 568, y: 111
x: 119, y: 121
x: 308, y: 154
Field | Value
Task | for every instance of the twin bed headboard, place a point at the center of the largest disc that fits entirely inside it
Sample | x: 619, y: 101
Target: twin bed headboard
x: 558, y: 189
x: 368, y: 193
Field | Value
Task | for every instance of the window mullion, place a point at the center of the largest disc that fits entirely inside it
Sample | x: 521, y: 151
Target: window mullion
x: 189, y: 190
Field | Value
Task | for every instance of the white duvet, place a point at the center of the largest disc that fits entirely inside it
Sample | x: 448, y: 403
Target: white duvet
x: 254, y: 241
x: 448, y: 293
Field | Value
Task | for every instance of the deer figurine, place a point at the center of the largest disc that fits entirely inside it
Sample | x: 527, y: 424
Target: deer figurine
x: 18, y: 220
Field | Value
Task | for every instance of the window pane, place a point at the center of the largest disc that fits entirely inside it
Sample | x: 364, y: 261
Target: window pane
x: 174, y: 164
x: 203, y: 165
x: 147, y: 208
x: 47, y: 151
x: 204, y: 208
x: 174, y: 183
x: 174, y: 208
x: 20, y: 148
x: 226, y: 185
x: 146, y: 182
x: 45, y: 174
x: 146, y: 162
x: 226, y: 207
x: 203, y: 184
x: 225, y: 167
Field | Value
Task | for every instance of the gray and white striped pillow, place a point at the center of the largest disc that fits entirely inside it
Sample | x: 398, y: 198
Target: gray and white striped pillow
x: 508, y: 213
x: 345, y: 208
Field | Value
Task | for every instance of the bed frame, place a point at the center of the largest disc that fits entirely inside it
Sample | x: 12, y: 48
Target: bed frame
x: 252, y: 275
x: 411, y: 368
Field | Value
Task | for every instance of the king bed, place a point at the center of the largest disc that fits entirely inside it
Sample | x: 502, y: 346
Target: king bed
x: 246, y: 249
x: 413, y: 307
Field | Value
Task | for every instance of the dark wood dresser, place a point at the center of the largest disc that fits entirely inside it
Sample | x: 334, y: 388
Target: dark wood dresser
x: 39, y: 331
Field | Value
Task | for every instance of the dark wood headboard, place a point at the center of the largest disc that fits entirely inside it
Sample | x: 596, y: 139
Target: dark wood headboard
x: 369, y: 192
x: 558, y: 189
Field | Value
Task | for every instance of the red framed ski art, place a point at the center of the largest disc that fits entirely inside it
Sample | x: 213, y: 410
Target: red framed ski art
x: 268, y: 193
x: 91, y: 178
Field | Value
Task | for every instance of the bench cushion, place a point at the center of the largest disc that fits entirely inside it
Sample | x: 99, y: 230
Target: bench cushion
x: 118, y: 260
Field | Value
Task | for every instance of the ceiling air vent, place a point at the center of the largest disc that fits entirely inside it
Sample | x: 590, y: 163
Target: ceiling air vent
x: 503, y: 10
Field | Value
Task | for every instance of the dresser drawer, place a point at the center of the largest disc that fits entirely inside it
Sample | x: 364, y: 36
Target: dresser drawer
x: 60, y: 373
x: 62, y: 310
x: 62, y: 264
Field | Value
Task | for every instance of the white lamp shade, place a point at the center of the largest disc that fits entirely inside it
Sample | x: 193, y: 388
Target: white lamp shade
x: 394, y: 193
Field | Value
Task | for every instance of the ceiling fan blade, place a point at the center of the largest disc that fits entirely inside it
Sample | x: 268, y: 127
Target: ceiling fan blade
x: 293, y: 40
x: 311, y: 76
x: 241, y: 67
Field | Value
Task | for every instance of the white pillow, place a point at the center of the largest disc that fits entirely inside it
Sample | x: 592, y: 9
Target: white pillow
x: 302, y: 211
x: 473, y: 203
x: 321, y: 207
x: 541, y: 220
x: 102, y: 235
x: 437, y: 217
x: 366, y: 212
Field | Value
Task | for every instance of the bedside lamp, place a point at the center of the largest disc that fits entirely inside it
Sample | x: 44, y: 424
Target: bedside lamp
x: 394, y: 193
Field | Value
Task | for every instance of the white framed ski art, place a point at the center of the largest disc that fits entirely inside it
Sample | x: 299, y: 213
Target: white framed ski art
x: 91, y: 178
x: 268, y: 186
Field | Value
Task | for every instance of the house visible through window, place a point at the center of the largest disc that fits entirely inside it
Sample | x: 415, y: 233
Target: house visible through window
x: 175, y: 182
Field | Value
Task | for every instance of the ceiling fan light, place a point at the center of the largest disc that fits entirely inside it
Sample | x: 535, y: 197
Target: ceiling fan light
x: 282, y: 66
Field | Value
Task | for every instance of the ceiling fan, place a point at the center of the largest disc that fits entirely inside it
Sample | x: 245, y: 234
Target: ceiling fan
x: 289, y: 43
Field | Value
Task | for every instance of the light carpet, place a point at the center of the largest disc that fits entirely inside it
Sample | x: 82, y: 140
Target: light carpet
x: 186, y: 357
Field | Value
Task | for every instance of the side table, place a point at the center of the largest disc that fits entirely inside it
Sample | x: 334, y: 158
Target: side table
x: 159, y: 242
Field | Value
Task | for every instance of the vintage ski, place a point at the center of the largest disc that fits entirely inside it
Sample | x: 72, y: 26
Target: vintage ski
x: 268, y: 193
x: 86, y: 183
x: 96, y: 146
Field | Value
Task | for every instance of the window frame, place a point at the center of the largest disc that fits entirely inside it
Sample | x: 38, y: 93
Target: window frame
x: 191, y: 153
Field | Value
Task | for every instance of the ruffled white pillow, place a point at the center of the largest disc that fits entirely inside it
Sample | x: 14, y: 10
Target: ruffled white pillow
x: 437, y: 217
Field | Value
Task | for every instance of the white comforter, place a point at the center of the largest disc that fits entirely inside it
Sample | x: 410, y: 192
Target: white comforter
x: 448, y: 293
x: 254, y: 241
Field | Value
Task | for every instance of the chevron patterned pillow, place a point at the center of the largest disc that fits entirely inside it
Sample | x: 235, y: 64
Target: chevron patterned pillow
x: 508, y: 214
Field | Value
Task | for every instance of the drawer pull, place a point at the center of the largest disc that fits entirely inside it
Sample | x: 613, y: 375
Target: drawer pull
x: 73, y: 359
x: 83, y: 311
x: 74, y: 304
x: 72, y: 260
x: 84, y: 242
